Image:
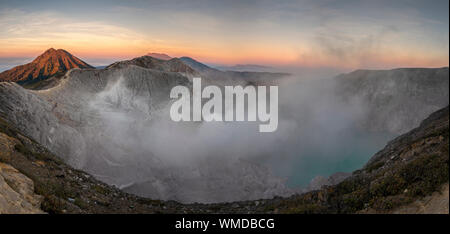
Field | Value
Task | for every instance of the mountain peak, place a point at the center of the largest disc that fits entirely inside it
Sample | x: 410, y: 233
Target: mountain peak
x: 149, y: 62
x: 159, y: 56
x: 49, y: 63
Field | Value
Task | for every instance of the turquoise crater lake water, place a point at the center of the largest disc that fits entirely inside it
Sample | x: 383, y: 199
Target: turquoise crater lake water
x: 346, y: 153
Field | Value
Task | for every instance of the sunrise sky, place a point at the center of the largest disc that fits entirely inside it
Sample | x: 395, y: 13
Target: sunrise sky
x: 330, y: 33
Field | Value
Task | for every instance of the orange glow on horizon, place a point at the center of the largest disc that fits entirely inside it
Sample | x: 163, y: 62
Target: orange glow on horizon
x: 225, y: 56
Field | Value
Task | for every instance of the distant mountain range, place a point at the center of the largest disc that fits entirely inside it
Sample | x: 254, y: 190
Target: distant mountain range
x: 51, y: 62
x: 47, y: 68
x: 246, y: 67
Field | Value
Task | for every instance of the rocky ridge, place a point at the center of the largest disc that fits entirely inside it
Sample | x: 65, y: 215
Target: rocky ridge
x: 171, y: 65
x: 389, y: 96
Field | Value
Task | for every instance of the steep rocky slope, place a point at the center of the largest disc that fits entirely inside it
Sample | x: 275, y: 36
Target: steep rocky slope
x: 51, y: 62
x: 408, y: 173
x: 390, y: 96
x: 17, y: 194
x: 436, y: 203
x: 105, y: 122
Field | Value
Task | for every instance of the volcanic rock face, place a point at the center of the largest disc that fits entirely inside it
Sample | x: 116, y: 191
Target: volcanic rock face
x: 16, y: 190
x: 396, y: 100
x: 108, y: 123
x: 50, y: 63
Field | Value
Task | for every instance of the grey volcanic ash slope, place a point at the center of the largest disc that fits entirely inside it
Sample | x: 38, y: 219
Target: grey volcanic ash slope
x: 113, y: 124
x: 395, y: 100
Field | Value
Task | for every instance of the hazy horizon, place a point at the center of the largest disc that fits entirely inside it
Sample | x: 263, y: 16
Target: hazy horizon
x: 324, y: 72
